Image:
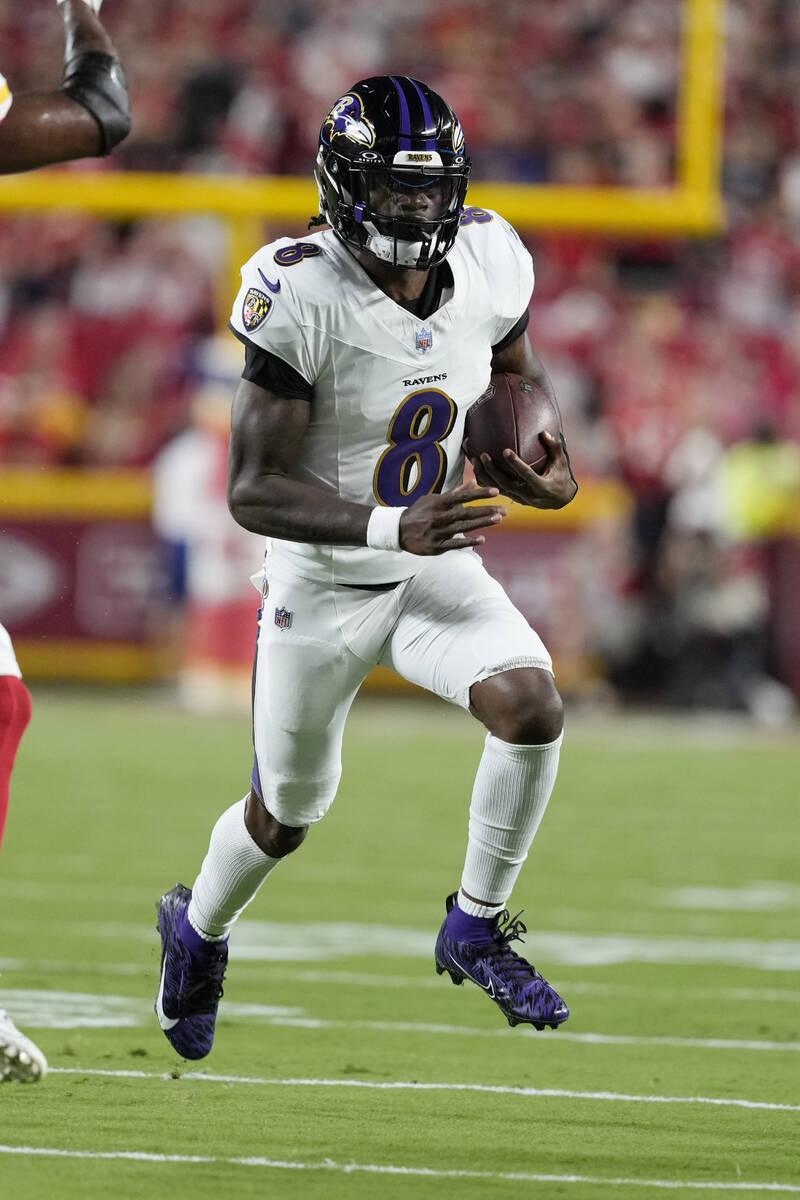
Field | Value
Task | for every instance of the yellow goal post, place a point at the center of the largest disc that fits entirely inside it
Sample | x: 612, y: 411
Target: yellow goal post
x: 691, y: 206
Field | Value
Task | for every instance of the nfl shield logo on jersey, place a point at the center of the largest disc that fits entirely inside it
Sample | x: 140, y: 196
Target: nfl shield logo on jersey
x: 424, y: 340
x: 283, y: 618
x: 255, y: 308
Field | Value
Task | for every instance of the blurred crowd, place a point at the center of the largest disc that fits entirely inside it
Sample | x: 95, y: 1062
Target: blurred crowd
x: 677, y: 363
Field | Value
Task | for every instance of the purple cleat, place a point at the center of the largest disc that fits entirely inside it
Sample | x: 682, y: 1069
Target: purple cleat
x: 192, y: 971
x: 516, y: 987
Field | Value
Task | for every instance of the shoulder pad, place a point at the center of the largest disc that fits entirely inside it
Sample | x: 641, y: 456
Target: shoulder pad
x: 270, y: 308
x: 500, y: 253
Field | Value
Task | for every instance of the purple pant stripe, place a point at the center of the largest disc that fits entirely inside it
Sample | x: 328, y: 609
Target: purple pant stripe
x: 255, y: 779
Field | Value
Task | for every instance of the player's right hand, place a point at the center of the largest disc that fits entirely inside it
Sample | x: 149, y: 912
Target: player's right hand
x: 436, y: 523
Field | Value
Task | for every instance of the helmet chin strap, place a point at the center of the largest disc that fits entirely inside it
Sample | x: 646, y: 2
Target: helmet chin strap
x: 391, y: 250
x: 397, y: 251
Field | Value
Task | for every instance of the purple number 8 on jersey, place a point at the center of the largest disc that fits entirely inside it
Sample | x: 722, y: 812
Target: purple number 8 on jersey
x: 288, y: 256
x: 414, y: 463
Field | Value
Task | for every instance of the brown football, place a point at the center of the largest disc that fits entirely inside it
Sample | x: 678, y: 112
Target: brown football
x: 511, y: 413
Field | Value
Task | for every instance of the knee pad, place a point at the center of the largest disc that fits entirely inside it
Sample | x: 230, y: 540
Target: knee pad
x: 297, y: 776
x: 304, y: 688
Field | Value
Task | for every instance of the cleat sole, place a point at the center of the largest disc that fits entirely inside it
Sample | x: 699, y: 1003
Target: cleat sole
x: 539, y: 1025
x: 456, y: 978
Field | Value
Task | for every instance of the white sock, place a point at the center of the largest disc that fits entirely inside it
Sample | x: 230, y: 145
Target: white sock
x: 232, y: 872
x: 512, y: 788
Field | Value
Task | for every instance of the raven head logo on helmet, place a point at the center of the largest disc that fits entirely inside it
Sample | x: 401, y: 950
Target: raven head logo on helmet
x: 346, y: 120
x: 392, y: 171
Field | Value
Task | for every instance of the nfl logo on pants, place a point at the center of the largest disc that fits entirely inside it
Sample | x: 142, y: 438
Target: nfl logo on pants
x: 283, y: 618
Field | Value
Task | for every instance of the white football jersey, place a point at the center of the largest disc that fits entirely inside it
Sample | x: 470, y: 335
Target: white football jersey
x: 391, y: 390
x: 5, y: 98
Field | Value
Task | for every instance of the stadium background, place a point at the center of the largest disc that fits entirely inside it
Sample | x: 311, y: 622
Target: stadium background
x: 662, y: 897
x: 667, y: 314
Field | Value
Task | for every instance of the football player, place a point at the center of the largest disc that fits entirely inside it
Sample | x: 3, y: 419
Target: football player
x: 87, y: 115
x: 365, y: 345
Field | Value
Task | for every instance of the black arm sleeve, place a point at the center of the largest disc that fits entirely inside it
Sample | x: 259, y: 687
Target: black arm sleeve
x: 97, y: 82
x: 270, y: 372
x: 513, y: 334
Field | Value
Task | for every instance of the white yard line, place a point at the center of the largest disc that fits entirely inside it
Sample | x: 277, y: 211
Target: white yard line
x: 768, y: 895
x: 588, y: 1039
x: 416, y: 1086
x: 276, y: 942
x: 80, y: 1010
x: 585, y: 987
x: 75, y: 1010
x: 763, y: 895
x: 332, y: 978
x: 387, y: 1169
x: 606, y: 1039
x: 272, y: 941
x: 68, y: 966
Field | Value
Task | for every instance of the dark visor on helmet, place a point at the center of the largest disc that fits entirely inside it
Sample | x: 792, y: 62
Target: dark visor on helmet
x: 411, y: 196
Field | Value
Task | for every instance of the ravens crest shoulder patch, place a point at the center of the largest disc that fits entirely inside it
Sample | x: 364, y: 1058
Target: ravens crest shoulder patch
x: 255, y: 308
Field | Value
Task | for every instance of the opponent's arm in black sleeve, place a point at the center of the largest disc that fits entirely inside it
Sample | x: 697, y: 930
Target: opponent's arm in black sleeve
x: 87, y: 116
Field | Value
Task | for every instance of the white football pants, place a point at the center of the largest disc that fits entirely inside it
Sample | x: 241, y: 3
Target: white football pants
x: 446, y: 628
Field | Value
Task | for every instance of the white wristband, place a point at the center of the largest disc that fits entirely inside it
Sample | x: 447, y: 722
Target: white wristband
x: 383, y: 529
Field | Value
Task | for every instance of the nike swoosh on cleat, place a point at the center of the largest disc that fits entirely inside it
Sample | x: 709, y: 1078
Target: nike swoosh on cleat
x: 164, y: 1021
x: 487, y: 987
x: 273, y: 287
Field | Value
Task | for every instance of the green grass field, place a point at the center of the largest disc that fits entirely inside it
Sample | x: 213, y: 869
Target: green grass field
x: 662, y: 899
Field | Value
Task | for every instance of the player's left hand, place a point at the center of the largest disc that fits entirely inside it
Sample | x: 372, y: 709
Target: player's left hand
x: 553, y: 487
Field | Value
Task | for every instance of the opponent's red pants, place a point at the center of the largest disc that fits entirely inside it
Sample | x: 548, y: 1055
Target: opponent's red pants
x: 15, y: 713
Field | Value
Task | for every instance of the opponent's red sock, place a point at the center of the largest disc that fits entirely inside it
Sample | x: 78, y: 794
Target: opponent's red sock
x: 15, y: 713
